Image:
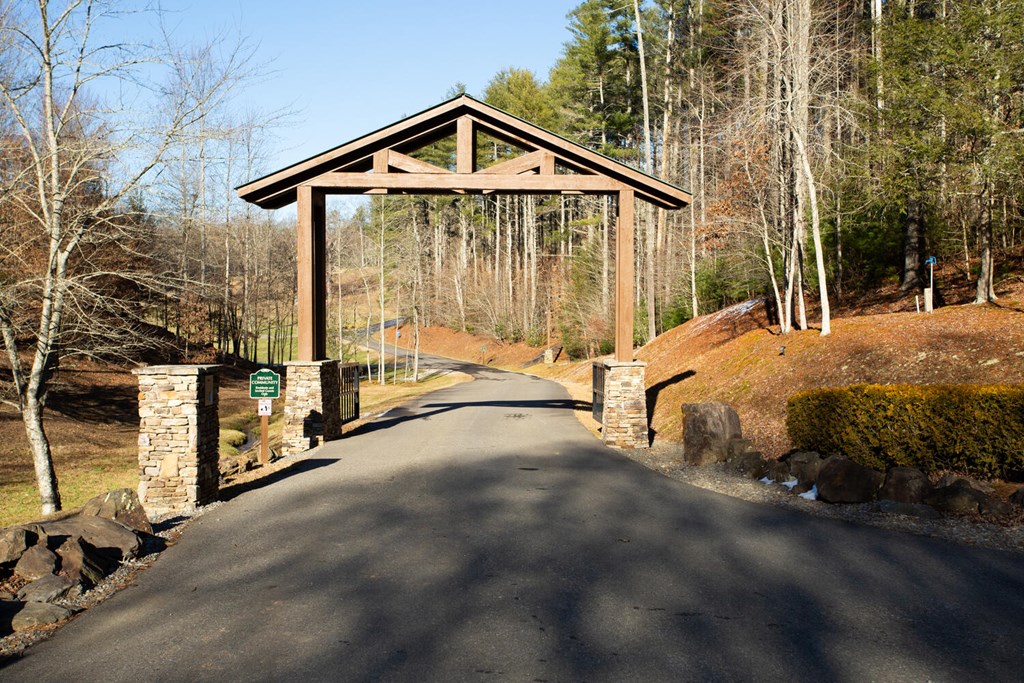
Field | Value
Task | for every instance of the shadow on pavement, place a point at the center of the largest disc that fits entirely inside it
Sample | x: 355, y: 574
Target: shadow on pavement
x: 297, y: 467
x: 581, y: 567
x: 401, y: 414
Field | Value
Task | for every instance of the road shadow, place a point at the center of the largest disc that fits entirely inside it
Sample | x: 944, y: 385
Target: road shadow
x: 584, y: 566
x: 298, y: 467
x: 401, y: 414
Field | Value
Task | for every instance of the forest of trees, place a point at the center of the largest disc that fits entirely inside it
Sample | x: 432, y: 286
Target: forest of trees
x: 830, y: 147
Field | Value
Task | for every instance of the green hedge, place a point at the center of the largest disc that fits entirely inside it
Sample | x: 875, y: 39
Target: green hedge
x: 975, y: 430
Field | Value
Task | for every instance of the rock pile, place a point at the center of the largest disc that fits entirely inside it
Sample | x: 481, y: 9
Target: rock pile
x: 48, y: 562
x: 711, y: 434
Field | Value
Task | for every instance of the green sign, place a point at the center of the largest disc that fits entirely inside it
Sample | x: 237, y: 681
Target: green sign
x: 265, y: 384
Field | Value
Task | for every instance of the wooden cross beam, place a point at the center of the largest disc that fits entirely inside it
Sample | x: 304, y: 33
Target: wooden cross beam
x: 433, y: 183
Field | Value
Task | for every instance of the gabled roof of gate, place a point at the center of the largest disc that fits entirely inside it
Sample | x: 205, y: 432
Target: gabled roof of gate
x: 278, y: 189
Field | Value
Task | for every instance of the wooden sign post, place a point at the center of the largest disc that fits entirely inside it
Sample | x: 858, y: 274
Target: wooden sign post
x: 265, y: 385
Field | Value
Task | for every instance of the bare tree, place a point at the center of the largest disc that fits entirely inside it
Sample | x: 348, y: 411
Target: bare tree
x: 84, y: 162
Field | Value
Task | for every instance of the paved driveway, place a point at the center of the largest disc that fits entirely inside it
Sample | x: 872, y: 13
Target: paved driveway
x: 480, y: 533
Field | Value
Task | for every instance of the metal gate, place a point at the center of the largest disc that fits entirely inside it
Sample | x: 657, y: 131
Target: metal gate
x: 349, y: 392
x: 597, y: 396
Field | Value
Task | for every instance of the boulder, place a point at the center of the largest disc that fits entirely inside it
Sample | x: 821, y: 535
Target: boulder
x: 38, y: 614
x: 844, y: 481
x: 949, y: 479
x: 778, y: 471
x: 14, y: 541
x: 905, y: 485
x: 120, y: 505
x: 804, y: 467
x: 991, y: 506
x: 46, y: 589
x: 958, y: 498
x: 79, y: 562
x: 750, y: 464
x: 737, y: 446
x: 707, y: 430
x: 1017, y: 497
x: 35, y: 563
x: 112, y: 542
x: 919, y: 510
x: 236, y: 464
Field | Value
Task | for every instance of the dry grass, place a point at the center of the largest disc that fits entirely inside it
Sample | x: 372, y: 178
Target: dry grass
x: 92, y: 421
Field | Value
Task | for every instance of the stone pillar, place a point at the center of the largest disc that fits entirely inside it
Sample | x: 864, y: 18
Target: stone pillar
x: 625, y: 405
x: 312, y: 404
x: 179, y: 435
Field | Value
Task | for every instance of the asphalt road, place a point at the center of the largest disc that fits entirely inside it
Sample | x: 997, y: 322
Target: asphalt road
x: 480, y: 533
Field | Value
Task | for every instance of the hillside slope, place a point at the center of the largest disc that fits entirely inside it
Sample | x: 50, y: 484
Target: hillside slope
x: 751, y: 372
x: 735, y: 357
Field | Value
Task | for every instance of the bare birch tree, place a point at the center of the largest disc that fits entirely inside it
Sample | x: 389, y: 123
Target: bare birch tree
x: 85, y: 160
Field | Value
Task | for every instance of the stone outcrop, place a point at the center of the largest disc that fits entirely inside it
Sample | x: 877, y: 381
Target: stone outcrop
x: 707, y: 430
x: 905, y: 485
x: 745, y: 460
x: 122, y: 506
x: 949, y: 479
x: 844, y: 481
x: 36, y: 562
x: 778, y: 471
x: 80, y: 562
x: 804, y: 466
x: 963, y: 498
x: 62, y: 558
x: 179, y: 433
x: 14, y: 541
x: 34, y: 614
x: 46, y: 589
x: 111, y: 543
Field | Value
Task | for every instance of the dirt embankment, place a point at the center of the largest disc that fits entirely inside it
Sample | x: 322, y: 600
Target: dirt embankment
x: 758, y: 370
x: 441, y: 341
x: 737, y: 357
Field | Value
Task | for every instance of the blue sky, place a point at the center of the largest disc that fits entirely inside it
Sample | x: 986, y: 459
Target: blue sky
x: 349, y: 67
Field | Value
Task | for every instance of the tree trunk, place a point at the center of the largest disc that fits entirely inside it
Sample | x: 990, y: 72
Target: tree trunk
x: 913, y: 246
x: 42, y: 457
x: 985, y: 291
x: 819, y: 251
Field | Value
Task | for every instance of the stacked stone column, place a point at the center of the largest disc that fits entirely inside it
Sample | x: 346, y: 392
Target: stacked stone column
x: 312, y: 407
x: 625, y: 405
x: 179, y: 429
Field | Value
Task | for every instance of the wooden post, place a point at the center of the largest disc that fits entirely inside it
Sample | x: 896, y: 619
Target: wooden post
x: 624, y: 278
x: 465, y: 143
x: 311, y: 244
x: 264, y: 440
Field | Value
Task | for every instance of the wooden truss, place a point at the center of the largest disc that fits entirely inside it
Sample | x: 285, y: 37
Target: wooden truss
x: 383, y: 163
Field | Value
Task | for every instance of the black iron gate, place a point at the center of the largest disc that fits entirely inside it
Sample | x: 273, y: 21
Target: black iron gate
x: 597, y: 397
x: 349, y: 392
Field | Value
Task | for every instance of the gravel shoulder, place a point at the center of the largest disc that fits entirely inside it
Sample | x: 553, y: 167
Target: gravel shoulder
x: 666, y: 458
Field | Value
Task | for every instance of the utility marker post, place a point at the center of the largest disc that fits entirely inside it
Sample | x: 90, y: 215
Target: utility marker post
x: 265, y: 386
x: 929, y: 294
